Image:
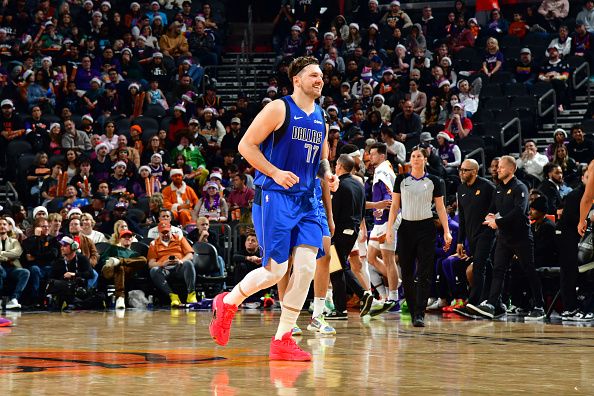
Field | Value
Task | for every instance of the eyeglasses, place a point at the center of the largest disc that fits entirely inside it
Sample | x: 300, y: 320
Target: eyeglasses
x: 463, y: 170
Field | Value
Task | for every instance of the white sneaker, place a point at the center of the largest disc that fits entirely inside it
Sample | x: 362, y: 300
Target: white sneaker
x: 13, y: 304
x: 120, y: 303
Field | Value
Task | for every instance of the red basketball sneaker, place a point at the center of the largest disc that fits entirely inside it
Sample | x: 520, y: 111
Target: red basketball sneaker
x: 287, y: 349
x: 222, y: 316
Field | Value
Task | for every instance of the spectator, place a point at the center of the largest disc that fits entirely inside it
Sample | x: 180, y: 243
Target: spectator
x: 458, y: 125
x: 12, y: 127
x: 179, y: 198
x: 75, y: 138
x: 469, y: 95
x: 553, y: 12
x: 578, y: 148
x: 531, y: 161
x: 247, y: 259
x: 543, y: 231
x: 40, y: 250
x: 211, y: 128
x: 212, y: 205
x: 524, y: 70
x: 87, y: 229
x: 418, y: 98
x: 10, y: 266
x: 169, y: 257
x: 407, y: 125
x: 465, y: 38
x: 493, y: 58
x: 559, y: 137
x: 395, y: 148
x: 586, y: 15
x: 174, y: 43
x: 582, y: 42
x: 551, y: 188
x: 497, y: 26
x: 230, y: 141
x: 164, y: 216
x: 433, y: 114
x: 401, y: 18
x: 353, y: 40
x: 563, y: 42
x: 121, y: 262
x: 567, y: 164
x: 449, y: 152
x: 86, y: 245
x: 49, y: 187
x: 518, y: 27
x: 242, y: 196
x: 69, y: 271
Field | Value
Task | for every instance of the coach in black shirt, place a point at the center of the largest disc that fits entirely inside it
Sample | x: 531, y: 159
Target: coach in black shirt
x: 509, y: 215
x: 348, y: 207
x: 474, y: 201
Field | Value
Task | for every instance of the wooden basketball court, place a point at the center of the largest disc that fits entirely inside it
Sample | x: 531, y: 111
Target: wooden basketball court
x: 170, y: 353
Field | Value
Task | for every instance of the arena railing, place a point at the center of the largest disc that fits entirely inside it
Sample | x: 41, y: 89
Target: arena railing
x: 553, y: 107
x: 585, y: 80
x: 515, y: 138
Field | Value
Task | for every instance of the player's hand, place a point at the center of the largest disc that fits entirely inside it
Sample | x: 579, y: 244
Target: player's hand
x: 390, y: 235
x: 460, y: 251
x: 448, y: 241
x: 331, y: 226
x: 285, y: 179
x: 332, y: 182
x: 385, y: 204
x: 582, y: 226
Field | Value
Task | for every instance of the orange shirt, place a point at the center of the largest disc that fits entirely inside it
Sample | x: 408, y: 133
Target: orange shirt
x: 178, y: 247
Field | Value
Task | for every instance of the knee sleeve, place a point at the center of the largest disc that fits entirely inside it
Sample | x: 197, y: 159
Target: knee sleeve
x: 305, y: 261
x: 271, y: 275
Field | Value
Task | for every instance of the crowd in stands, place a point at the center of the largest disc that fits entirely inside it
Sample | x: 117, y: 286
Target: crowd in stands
x: 116, y: 136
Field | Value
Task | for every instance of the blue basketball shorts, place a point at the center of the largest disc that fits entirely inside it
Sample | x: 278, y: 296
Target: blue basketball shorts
x: 283, y: 221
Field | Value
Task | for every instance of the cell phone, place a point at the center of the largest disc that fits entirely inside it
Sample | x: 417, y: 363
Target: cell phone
x: 171, y: 258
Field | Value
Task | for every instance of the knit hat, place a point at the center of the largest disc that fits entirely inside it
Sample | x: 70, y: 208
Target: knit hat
x: 101, y: 145
x: 39, y: 209
x: 174, y: 172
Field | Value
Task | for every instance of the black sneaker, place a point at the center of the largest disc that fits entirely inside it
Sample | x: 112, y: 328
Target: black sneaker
x: 518, y: 311
x: 466, y: 312
x: 500, y: 311
x: 536, y: 314
x: 388, y: 305
x: 568, y: 315
x: 366, y: 302
x: 335, y: 315
x: 419, y: 321
x: 577, y: 316
x: 485, y: 309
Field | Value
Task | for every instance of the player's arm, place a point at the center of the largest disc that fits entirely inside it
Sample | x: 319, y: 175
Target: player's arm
x: 267, y: 121
x: 327, y: 200
x: 586, y: 202
x: 324, y: 172
x: 392, y: 217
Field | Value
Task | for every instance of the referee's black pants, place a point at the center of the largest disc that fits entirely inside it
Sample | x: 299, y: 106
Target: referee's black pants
x: 504, y: 252
x: 416, y: 241
x: 480, y: 251
x: 344, y: 244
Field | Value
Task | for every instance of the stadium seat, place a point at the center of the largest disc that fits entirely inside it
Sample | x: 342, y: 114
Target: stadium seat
x: 14, y: 149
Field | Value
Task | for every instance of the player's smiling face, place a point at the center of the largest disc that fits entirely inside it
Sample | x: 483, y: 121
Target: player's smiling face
x: 310, y: 81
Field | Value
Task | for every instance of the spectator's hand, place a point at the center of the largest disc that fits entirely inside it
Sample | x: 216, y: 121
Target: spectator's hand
x: 69, y: 275
x: 460, y: 251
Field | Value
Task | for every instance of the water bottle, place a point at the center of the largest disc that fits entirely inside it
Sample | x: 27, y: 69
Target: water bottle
x: 150, y: 302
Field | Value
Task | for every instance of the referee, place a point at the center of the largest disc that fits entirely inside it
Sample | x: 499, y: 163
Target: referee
x: 474, y: 200
x: 415, y: 193
x: 509, y: 215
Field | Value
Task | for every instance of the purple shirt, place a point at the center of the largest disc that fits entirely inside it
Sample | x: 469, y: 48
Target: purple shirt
x: 379, y: 192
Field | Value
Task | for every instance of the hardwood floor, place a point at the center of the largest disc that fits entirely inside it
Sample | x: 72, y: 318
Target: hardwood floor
x: 170, y: 353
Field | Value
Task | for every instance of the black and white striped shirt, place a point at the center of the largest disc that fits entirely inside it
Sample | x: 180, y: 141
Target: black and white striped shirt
x: 416, y: 195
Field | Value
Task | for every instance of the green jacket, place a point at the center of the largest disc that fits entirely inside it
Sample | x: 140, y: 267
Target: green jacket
x: 192, y: 155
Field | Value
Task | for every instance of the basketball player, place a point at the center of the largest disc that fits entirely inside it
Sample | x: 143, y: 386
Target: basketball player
x: 287, y: 144
x: 586, y: 202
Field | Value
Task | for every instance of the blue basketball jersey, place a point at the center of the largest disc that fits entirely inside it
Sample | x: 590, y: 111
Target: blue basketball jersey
x: 296, y: 147
x: 318, y: 191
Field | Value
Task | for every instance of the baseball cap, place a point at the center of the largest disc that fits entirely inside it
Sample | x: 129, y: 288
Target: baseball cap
x: 66, y: 240
x: 425, y: 137
x: 525, y: 51
x: 123, y: 233
x: 235, y: 120
x: 164, y: 226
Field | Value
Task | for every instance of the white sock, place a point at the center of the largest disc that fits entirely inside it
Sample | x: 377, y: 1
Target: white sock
x: 256, y: 280
x: 329, y: 294
x: 288, y: 320
x: 318, y: 306
x: 393, y: 295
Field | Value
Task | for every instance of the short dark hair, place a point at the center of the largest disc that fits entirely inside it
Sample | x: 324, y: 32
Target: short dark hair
x: 387, y: 131
x: 346, y: 161
x: 381, y: 148
x: 548, y: 168
x: 242, y: 177
x: 301, y: 63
